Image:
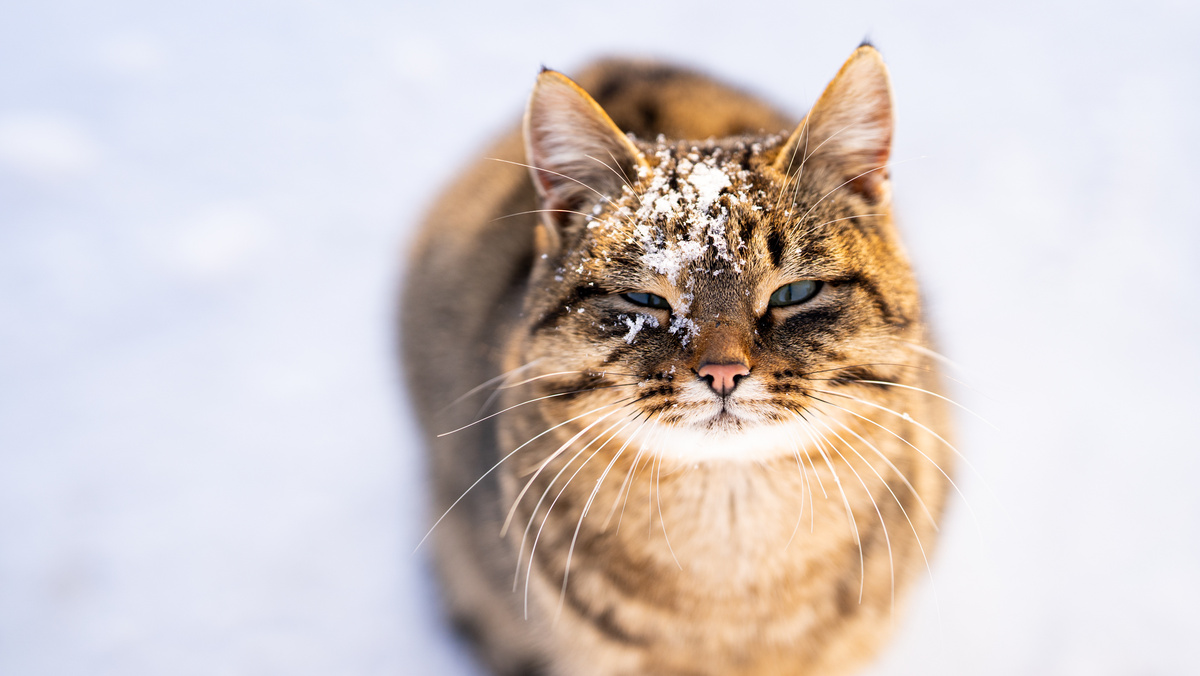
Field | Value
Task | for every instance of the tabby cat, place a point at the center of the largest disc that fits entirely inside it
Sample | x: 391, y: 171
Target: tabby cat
x: 676, y: 382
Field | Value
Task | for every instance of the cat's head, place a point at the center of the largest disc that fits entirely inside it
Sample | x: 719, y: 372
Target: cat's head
x: 718, y: 290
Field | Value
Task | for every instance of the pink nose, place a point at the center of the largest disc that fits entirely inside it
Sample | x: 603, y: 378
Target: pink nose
x: 723, y: 377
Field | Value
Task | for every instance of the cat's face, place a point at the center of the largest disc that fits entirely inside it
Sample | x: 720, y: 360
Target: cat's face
x: 717, y: 294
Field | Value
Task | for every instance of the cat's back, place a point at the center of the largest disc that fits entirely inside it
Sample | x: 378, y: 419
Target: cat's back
x: 468, y: 265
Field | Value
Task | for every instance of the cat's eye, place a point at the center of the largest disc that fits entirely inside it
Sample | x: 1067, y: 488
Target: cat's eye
x: 647, y: 300
x: 795, y: 293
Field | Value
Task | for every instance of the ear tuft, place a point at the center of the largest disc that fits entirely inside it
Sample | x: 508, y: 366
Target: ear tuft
x: 848, y: 133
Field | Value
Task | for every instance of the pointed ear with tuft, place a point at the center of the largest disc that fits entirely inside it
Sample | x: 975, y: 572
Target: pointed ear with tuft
x: 577, y: 155
x: 847, y: 136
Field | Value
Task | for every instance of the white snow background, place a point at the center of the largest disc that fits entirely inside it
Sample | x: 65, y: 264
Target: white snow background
x: 206, y: 462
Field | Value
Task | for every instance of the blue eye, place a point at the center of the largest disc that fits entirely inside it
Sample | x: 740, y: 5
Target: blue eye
x: 647, y: 300
x: 795, y: 293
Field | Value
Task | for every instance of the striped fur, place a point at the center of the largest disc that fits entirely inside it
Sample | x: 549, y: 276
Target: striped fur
x: 608, y: 513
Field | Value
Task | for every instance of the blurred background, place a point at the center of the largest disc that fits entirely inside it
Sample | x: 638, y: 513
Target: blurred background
x: 207, y: 465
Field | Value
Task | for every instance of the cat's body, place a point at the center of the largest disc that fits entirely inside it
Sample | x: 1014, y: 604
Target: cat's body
x: 741, y: 483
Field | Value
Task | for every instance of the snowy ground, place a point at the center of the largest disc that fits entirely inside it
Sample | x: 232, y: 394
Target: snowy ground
x: 206, y: 464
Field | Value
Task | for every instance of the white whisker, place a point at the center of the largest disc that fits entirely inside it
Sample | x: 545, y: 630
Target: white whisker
x: 531, y: 401
x: 882, y: 522
x: 506, y: 457
x: 488, y: 382
x: 911, y: 525
x: 546, y: 462
x: 588, y: 505
x: 909, y: 419
x: 932, y: 394
x: 533, y: 548
x: 931, y: 461
x: 849, y: 181
x: 837, y: 480
x: 662, y: 521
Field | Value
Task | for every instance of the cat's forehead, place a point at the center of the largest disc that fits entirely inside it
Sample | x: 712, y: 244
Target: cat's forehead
x: 690, y: 203
x: 696, y: 173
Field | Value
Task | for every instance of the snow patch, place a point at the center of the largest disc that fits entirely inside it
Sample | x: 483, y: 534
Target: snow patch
x: 636, y: 324
x: 708, y: 182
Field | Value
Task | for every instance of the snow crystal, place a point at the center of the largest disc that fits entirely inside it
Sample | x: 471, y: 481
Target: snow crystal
x: 684, y: 326
x: 708, y: 182
x: 678, y: 214
x: 636, y: 324
x: 667, y: 205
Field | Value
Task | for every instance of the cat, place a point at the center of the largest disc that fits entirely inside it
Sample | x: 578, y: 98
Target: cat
x: 676, y: 381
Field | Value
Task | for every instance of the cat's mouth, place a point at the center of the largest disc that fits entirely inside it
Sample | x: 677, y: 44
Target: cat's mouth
x: 728, y: 417
x: 726, y: 412
x: 726, y: 420
x: 730, y: 431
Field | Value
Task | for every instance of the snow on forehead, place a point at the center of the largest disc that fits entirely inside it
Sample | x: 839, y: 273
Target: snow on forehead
x: 708, y: 182
x: 680, y: 216
x: 692, y: 203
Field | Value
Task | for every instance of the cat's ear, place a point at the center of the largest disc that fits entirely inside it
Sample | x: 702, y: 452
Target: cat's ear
x: 848, y: 133
x: 577, y: 155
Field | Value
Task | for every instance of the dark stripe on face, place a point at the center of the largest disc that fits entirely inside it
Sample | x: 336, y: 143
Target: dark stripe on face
x: 849, y: 376
x: 570, y: 302
x: 809, y: 320
x: 618, y: 354
x: 775, y: 246
x: 889, y: 314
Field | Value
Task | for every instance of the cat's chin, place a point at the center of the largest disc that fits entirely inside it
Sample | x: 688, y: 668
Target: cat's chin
x: 727, y: 436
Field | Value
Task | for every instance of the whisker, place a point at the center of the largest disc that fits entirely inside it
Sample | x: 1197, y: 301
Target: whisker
x: 539, y: 211
x: 650, y: 493
x: 932, y: 394
x: 932, y: 354
x: 654, y: 431
x: 886, y: 537
x: 569, y: 178
x: 628, y: 180
x: 838, y: 220
x: 931, y: 461
x: 533, y: 513
x: 792, y: 158
x: 812, y: 515
x: 911, y: 525
x: 862, y: 568
x: 603, y: 197
x: 906, y: 417
x: 532, y: 401
x: 564, y: 373
x: 624, y: 179
x: 794, y: 180
x: 847, y: 182
x: 488, y: 382
x: 495, y: 393
x: 541, y: 466
x: 805, y: 488
x: 587, y: 506
x: 887, y: 461
x: 662, y: 521
x: 808, y: 156
x: 582, y: 513
x: 851, y: 366
x: 506, y: 457
x: 813, y: 439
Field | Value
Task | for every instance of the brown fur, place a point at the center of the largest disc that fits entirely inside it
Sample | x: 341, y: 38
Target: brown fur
x: 744, y: 558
